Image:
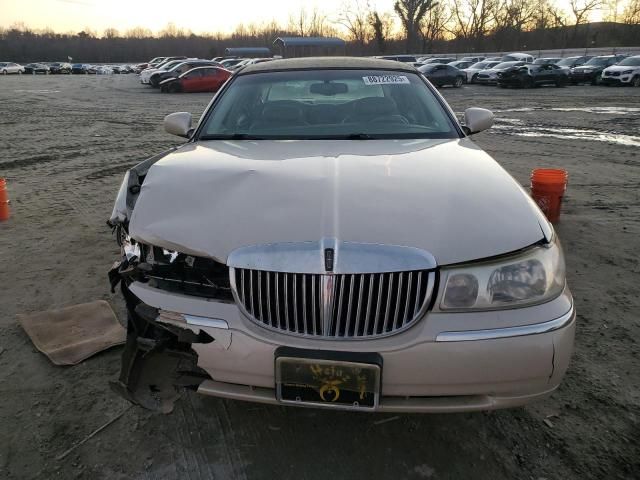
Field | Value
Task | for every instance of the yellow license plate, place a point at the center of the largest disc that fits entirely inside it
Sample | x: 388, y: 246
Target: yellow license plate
x: 327, y: 383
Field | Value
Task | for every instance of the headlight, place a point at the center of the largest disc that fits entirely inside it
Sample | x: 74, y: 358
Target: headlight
x: 528, y: 278
x: 627, y: 72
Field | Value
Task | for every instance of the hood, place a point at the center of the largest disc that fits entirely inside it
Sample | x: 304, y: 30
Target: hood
x: 621, y: 68
x: 446, y: 197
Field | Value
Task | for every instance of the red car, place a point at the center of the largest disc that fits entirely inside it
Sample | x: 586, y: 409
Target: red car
x: 199, y: 79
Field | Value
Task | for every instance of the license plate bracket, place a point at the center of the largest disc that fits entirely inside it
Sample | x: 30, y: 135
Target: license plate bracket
x: 328, y: 379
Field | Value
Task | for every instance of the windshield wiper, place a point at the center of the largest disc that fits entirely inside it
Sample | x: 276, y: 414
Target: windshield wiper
x: 232, y: 136
x: 358, y: 136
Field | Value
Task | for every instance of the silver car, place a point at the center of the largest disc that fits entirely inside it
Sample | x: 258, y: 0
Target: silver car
x: 330, y: 236
x: 7, y: 68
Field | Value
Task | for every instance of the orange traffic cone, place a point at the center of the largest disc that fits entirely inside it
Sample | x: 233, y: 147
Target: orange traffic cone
x: 4, y: 200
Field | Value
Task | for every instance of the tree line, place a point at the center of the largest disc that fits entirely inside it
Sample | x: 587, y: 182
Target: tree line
x: 426, y: 26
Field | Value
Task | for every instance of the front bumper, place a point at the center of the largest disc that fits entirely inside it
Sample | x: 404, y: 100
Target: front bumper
x: 582, y: 77
x: 622, y: 80
x: 446, y: 362
x: 486, y: 80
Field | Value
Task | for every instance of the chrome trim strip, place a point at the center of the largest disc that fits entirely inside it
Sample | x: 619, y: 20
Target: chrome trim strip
x: 349, y: 257
x: 520, y: 331
x: 206, y: 322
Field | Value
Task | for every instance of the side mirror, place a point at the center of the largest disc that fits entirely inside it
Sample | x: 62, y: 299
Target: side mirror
x: 477, y: 119
x: 178, y: 124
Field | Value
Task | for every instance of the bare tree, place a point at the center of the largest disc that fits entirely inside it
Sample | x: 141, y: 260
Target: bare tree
x: 582, y: 9
x: 631, y: 13
x: 511, y: 18
x: 473, y: 20
x: 312, y: 24
x: 411, y: 13
x: 382, y: 26
x: 433, y: 25
x: 354, y: 16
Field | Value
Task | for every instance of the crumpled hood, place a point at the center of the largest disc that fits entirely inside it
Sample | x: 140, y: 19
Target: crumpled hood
x: 447, y: 197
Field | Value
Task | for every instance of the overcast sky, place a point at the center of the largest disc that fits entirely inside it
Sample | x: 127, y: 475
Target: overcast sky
x: 196, y: 15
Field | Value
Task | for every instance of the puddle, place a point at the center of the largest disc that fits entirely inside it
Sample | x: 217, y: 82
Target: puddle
x: 37, y: 91
x: 606, y: 110
x: 569, y: 134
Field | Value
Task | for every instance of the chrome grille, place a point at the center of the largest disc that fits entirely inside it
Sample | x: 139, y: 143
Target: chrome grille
x: 333, y: 306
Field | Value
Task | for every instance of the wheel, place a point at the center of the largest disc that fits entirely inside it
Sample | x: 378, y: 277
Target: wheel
x: 173, y: 88
x: 458, y: 82
x: 635, y: 82
x: 20, y: 72
x: 596, y: 80
x: 502, y: 85
x: 527, y: 83
x: 4, y: 72
x: 561, y: 82
x: 473, y: 78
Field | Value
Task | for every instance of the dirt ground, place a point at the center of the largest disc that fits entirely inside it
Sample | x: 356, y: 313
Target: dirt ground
x: 65, y: 143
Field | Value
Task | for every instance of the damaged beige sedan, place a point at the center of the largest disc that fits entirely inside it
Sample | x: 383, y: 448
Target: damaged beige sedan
x: 329, y: 236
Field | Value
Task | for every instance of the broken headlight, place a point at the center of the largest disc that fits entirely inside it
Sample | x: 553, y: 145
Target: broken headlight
x: 527, y: 278
x: 172, y: 271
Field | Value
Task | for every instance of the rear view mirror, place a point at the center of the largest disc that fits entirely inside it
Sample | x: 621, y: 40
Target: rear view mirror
x: 178, y: 124
x: 329, y: 88
x: 477, y: 119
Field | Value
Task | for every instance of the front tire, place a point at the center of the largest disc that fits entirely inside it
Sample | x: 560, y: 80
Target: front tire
x: 527, y: 83
x: 635, y: 81
x: 174, y: 88
x: 458, y: 83
x: 4, y: 72
x: 561, y: 82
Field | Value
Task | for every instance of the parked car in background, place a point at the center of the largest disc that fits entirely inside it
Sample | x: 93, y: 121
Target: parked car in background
x: 518, y: 57
x: 199, y: 79
x: 79, y: 69
x: 60, y: 68
x: 257, y: 264
x: 461, y: 65
x: 400, y: 58
x: 145, y: 75
x: 34, y: 68
x: 472, y: 59
x: 547, y: 61
x: 493, y: 59
x: 441, y: 74
x: 472, y: 71
x: 179, y: 69
x: 489, y: 76
x: 442, y: 60
x: 571, y: 62
x: 533, y: 75
x: 229, y: 63
x: 626, y: 72
x: 9, y: 68
x: 591, y: 71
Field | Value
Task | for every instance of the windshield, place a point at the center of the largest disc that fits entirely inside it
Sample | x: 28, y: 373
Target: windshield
x: 566, y: 62
x: 630, y: 62
x: 506, y: 65
x: 597, y: 61
x: 328, y: 104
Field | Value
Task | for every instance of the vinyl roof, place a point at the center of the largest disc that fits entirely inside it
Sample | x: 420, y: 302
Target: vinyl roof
x: 310, y: 41
x: 320, y: 63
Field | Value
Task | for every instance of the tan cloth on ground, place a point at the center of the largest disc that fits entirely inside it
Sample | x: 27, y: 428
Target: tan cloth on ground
x: 72, y: 334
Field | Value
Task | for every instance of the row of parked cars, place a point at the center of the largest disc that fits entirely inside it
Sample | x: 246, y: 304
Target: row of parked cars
x: 63, y: 68
x: 523, y: 70
x: 189, y: 75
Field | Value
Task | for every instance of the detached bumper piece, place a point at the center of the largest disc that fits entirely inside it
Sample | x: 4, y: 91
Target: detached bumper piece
x: 158, y: 363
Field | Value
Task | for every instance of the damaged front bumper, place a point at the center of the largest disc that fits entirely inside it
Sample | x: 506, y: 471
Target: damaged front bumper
x: 432, y: 367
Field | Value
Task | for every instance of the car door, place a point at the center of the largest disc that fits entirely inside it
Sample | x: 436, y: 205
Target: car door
x: 191, y: 81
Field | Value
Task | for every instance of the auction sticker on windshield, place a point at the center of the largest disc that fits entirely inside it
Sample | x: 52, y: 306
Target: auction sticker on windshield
x: 385, y: 80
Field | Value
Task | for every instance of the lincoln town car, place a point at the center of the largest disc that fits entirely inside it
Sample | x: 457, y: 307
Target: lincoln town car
x: 330, y: 236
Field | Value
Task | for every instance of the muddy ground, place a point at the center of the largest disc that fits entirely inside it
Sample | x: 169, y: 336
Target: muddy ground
x: 65, y: 143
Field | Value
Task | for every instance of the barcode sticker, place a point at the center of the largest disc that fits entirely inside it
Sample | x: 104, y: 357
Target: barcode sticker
x: 385, y: 80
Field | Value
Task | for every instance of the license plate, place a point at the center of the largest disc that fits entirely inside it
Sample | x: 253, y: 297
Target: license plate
x: 327, y: 383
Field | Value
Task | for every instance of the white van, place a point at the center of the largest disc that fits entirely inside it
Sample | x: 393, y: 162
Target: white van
x: 518, y: 57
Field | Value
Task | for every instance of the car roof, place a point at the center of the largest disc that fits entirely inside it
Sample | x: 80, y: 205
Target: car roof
x: 322, y: 63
